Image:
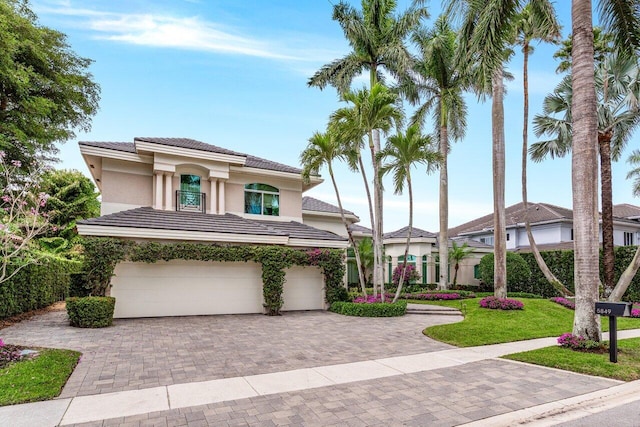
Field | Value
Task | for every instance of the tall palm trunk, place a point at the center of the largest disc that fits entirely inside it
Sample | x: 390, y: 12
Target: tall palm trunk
x: 551, y: 278
x: 378, y: 273
x: 499, y: 232
x: 625, y: 279
x: 349, y: 234
x: 608, y: 254
x: 584, y: 173
x: 443, y: 238
x: 371, y: 217
x: 406, y: 247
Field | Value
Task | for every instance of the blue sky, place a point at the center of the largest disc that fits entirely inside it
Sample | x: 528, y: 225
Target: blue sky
x: 234, y: 73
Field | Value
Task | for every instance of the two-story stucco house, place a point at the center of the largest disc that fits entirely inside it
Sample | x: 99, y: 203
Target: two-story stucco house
x: 177, y: 189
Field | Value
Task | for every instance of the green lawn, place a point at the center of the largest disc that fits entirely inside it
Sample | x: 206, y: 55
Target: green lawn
x: 627, y: 368
x: 540, y: 318
x: 41, y: 378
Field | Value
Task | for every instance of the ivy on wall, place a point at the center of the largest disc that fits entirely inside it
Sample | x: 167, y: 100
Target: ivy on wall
x: 103, y: 254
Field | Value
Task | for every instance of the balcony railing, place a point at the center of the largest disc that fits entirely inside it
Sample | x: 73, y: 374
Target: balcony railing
x: 190, y: 201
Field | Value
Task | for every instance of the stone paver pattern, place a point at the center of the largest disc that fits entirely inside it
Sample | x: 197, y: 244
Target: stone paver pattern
x: 442, y: 397
x: 142, y: 353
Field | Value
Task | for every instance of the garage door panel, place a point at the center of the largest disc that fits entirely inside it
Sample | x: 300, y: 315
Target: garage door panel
x: 179, y: 288
x: 303, y: 289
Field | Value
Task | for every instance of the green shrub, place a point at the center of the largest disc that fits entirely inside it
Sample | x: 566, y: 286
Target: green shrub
x: 523, y: 295
x: 79, y: 286
x: 36, y: 285
x: 91, y: 312
x: 369, y: 310
x: 518, y: 271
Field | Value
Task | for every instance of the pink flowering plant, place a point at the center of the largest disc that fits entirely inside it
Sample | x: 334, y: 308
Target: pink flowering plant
x: 433, y: 296
x: 564, y: 302
x: 8, y: 354
x: 635, y: 310
x: 501, y: 303
x: 373, y: 299
x: 411, y: 275
x: 22, y: 215
x: 578, y: 343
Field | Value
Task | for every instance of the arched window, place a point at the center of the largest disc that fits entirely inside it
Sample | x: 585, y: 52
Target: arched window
x: 261, y: 199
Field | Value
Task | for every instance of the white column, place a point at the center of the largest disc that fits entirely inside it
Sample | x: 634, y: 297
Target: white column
x: 168, y: 192
x: 157, y: 202
x: 213, y: 195
x: 221, y: 206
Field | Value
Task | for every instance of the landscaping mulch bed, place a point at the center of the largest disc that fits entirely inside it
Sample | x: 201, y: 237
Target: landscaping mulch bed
x: 9, y: 321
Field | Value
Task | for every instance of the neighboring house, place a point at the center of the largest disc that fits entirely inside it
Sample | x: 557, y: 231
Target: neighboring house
x: 177, y: 189
x: 423, y: 248
x: 552, y: 227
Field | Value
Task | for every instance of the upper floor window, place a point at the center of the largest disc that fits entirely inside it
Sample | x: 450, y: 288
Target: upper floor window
x: 189, y: 196
x: 628, y: 238
x: 261, y: 199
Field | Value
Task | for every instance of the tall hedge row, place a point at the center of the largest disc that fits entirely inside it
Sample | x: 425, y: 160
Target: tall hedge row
x: 561, y: 264
x: 36, y: 285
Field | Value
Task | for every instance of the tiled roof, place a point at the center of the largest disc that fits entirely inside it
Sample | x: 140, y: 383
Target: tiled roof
x: 311, y: 204
x: 127, y: 147
x: 626, y: 210
x: 297, y: 230
x: 402, y: 233
x: 360, y: 229
x: 147, y: 217
x: 192, y: 144
x: 538, y: 212
x: 258, y: 163
x: 470, y: 242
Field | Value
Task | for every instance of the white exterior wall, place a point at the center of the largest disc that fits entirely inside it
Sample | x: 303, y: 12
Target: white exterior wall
x: 326, y: 223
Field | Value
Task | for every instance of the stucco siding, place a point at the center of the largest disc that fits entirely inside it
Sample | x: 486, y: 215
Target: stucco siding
x: 331, y: 224
x: 127, y: 190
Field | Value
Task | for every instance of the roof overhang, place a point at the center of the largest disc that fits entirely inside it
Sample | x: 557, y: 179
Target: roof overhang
x: 151, y: 147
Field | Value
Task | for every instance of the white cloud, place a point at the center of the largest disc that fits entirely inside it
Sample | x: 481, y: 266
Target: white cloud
x: 192, y: 33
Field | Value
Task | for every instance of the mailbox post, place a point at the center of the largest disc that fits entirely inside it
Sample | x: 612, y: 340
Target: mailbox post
x: 613, y: 310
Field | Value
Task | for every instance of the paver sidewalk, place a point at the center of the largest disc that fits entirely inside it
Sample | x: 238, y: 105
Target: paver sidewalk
x: 534, y: 387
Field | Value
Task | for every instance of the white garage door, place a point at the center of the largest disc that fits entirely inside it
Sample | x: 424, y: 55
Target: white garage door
x: 181, y: 288
x: 304, y: 289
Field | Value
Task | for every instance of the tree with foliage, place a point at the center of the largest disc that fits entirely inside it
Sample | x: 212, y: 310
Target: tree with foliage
x: 377, y: 39
x: 72, y: 197
x: 323, y: 149
x: 371, y: 112
x: 46, y: 91
x: 617, y: 91
x: 365, y: 250
x: 534, y: 24
x: 21, y: 215
x: 438, y: 81
x: 488, y: 22
x: 402, y: 153
x: 457, y: 254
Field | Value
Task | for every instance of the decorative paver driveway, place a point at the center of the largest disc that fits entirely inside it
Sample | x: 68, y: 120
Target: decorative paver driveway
x: 142, y: 353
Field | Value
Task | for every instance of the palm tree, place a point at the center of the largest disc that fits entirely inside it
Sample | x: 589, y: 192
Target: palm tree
x: 377, y: 39
x: 617, y: 92
x: 403, y: 152
x: 457, y: 254
x: 322, y: 150
x: 371, y: 112
x: 530, y: 26
x: 486, y: 25
x: 622, y: 18
x: 440, y: 83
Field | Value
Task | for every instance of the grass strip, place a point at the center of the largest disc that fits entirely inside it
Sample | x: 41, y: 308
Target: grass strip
x: 627, y: 368
x: 540, y: 318
x: 40, y: 378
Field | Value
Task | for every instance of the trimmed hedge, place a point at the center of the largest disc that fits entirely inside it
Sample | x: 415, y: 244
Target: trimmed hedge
x: 518, y: 271
x: 91, y: 312
x: 369, y: 310
x: 561, y: 264
x: 36, y: 285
